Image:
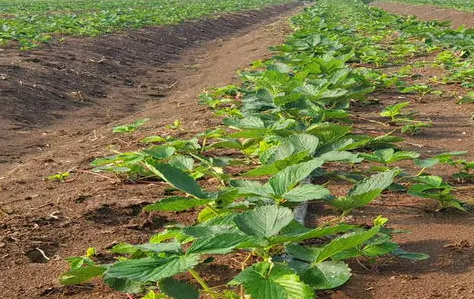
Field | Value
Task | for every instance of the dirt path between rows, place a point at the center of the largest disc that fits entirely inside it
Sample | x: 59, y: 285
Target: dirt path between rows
x: 429, y: 13
x: 63, y: 219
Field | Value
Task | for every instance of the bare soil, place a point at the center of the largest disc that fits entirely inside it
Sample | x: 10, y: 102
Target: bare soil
x: 59, y: 105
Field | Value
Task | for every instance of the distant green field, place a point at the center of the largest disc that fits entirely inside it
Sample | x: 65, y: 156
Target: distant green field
x: 458, y: 4
x: 31, y: 22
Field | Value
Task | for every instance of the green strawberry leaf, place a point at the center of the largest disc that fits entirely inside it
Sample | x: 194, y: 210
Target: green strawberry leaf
x: 306, y: 192
x: 178, y: 289
x: 345, y: 242
x: 288, y: 178
x: 80, y: 275
x: 176, y: 204
x: 276, y: 281
x: 178, y: 179
x: 152, y: 269
x: 264, y: 221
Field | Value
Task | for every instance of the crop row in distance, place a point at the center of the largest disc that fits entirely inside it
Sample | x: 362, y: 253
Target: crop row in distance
x: 288, y: 129
x: 31, y: 23
x: 457, y: 4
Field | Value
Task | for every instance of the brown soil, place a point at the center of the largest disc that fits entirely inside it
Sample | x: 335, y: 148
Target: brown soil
x: 59, y: 105
x: 429, y: 13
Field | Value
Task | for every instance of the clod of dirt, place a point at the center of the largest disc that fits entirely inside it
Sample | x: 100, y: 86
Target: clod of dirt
x: 463, y: 244
x: 41, y: 251
x: 6, y: 209
x: 113, y: 215
x: 37, y: 255
x: 130, y: 216
x: 82, y: 198
x: 68, y: 290
x: 147, y: 223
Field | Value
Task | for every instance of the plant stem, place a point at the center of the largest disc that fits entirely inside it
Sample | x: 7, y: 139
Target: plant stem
x: 421, y: 172
x: 203, y: 284
x: 244, y: 263
x: 203, y: 145
x: 212, y: 209
x: 372, y: 121
x: 362, y: 265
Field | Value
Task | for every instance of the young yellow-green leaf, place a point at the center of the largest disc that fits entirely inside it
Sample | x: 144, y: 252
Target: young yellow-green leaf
x: 276, y: 281
x: 80, y: 275
x: 153, y: 295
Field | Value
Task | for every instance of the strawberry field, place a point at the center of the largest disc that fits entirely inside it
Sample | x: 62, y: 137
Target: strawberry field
x: 337, y: 166
x: 33, y: 22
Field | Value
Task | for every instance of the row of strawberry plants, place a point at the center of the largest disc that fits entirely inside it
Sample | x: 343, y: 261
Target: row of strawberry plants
x: 457, y: 4
x: 286, y: 127
x: 31, y: 23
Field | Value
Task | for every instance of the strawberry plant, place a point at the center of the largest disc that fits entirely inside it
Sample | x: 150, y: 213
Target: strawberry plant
x: 289, y: 130
x: 130, y: 128
x: 433, y: 187
x: 268, y: 234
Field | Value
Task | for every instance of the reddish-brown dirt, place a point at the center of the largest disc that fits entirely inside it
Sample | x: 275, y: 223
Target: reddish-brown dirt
x: 429, y: 13
x: 156, y: 73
